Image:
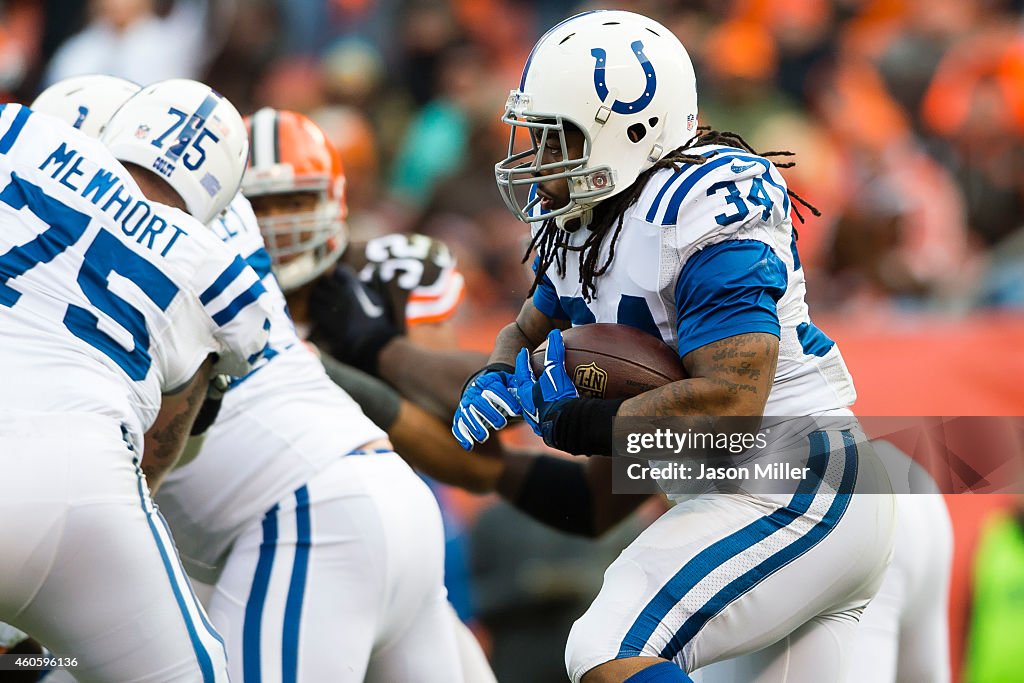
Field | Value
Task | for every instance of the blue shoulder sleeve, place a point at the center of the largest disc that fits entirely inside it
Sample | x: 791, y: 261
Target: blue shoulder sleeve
x: 545, y: 298
x: 727, y: 289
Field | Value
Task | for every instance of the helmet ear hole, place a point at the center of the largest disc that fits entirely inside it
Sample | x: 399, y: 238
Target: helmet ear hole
x: 636, y: 132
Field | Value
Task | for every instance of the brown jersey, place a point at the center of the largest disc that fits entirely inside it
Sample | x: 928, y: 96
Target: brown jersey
x: 415, y: 274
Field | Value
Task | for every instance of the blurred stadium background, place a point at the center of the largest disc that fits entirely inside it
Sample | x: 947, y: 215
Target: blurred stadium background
x: 907, y: 118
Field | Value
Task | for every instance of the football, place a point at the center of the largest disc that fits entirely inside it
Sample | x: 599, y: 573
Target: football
x: 606, y: 360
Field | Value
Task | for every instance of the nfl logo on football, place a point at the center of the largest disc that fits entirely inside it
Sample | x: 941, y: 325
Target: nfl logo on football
x: 590, y: 380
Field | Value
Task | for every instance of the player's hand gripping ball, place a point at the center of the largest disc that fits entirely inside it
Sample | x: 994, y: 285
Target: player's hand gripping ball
x: 541, y: 398
x: 487, y: 404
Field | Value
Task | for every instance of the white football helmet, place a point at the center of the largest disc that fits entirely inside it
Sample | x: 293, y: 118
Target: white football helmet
x: 85, y: 102
x: 625, y: 81
x: 190, y: 136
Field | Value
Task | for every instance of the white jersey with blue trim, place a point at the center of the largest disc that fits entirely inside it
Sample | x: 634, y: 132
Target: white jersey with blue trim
x: 721, y: 236
x: 238, y: 228
x: 107, y: 299
x: 277, y: 427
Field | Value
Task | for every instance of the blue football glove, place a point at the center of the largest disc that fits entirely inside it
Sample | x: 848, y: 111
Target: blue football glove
x: 541, y: 399
x: 486, y: 404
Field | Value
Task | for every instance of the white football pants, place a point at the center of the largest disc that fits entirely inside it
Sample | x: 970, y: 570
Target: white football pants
x: 342, y: 581
x: 87, y: 566
x: 724, y: 575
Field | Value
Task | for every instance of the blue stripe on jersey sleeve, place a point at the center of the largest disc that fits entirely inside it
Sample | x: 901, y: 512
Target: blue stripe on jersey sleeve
x: 656, y: 204
x: 7, y: 141
x: 672, y: 210
x: 240, y: 302
x: 259, y: 261
x: 653, y: 212
x: 727, y: 289
x: 545, y: 298
x: 233, y: 270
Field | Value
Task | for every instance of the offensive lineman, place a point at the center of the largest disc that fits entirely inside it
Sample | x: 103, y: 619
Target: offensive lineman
x: 325, y: 549
x: 618, y: 179
x: 299, y: 202
x: 99, y: 94
x: 113, y: 308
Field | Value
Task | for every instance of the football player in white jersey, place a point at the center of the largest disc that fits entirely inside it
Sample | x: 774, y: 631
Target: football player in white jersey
x: 413, y: 287
x: 642, y: 219
x: 312, y: 157
x: 325, y: 550
x: 903, y: 634
x: 115, y: 303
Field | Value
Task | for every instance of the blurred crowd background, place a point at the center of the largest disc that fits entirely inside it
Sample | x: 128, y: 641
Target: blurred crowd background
x: 906, y: 117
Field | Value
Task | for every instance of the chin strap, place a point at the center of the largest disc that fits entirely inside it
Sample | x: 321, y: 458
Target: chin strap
x: 574, y: 220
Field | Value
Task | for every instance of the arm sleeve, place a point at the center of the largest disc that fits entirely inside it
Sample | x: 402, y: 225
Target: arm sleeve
x: 727, y: 289
x: 379, y: 401
x: 556, y: 493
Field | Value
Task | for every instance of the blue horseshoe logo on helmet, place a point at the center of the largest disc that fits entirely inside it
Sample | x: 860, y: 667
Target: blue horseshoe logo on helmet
x: 618, y: 106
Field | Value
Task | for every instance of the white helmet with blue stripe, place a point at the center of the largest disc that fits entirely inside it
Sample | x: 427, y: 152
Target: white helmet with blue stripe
x: 85, y: 102
x: 190, y: 136
x: 622, y: 79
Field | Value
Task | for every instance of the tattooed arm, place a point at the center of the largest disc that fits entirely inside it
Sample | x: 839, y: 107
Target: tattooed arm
x: 165, y: 439
x: 732, y: 376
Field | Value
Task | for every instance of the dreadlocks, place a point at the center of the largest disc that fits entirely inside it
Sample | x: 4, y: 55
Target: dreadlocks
x: 552, y: 243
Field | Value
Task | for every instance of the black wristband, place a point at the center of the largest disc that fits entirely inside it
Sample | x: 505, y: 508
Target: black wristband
x: 490, y: 367
x: 584, y: 426
x: 556, y: 493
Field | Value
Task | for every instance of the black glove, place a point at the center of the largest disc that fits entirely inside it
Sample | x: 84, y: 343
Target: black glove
x: 350, y: 320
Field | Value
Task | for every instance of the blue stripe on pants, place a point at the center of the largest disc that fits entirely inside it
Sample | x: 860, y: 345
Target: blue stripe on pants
x: 202, y: 656
x: 202, y: 612
x: 772, y: 564
x: 709, y: 559
x: 296, y: 589
x: 251, y: 671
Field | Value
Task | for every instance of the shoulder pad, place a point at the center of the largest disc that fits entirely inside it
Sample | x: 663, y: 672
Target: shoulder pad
x: 732, y: 186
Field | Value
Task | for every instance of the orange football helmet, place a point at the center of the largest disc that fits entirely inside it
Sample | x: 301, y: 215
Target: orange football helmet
x: 296, y: 183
